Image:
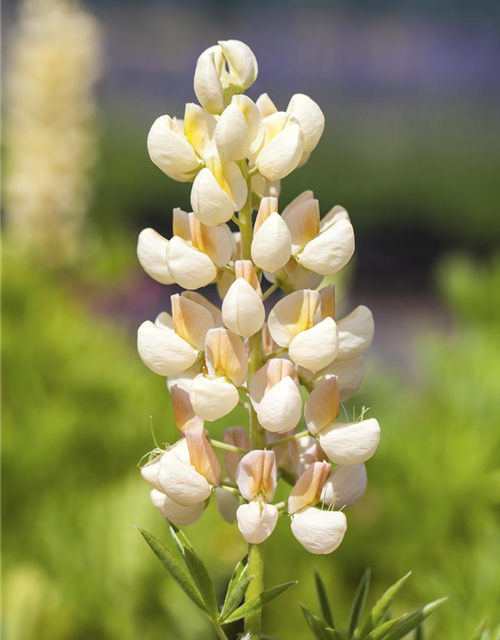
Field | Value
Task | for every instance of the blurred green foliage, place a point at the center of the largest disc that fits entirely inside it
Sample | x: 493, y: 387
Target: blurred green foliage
x: 76, y: 408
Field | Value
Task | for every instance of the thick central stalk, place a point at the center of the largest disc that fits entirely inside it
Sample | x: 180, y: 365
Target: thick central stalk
x: 256, y: 552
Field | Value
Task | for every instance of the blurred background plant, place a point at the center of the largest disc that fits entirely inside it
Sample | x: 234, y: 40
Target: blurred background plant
x: 411, y: 148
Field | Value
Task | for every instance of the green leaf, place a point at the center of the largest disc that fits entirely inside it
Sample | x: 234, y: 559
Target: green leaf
x: 381, y: 608
x: 317, y: 626
x: 179, y: 537
x: 254, y: 604
x: 233, y: 598
x: 412, y: 621
x: 203, y: 581
x: 239, y: 572
x: 265, y: 637
x: 478, y: 633
x: 419, y: 635
x: 359, y: 603
x: 334, y: 634
x: 178, y: 572
x: 380, y: 633
x: 324, y: 603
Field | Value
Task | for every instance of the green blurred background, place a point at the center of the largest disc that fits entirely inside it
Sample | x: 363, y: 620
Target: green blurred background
x: 412, y: 150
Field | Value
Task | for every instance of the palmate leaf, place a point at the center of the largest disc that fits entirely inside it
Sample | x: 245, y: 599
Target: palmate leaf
x: 234, y: 598
x: 381, y: 608
x: 412, y: 621
x: 324, y: 603
x: 317, y: 626
x: 358, y: 604
x: 178, y: 571
x: 203, y: 582
x: 254, y: 604
x: 380, y: 633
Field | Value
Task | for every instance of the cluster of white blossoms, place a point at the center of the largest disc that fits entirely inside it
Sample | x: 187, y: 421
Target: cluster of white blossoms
x: 235, y: 152
x: 50, y: 130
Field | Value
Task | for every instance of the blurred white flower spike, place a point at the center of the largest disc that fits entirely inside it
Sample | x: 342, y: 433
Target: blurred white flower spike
x: 241, y: 238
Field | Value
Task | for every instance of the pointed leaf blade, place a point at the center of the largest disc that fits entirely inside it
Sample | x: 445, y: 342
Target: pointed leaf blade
x: 234, y: 598
x: 478, y: 633
x: 412, y: 621
x: 254, y: 604
x: 178, y: 572
x: 324, y: 603
x: 382, y: 606
x: 203, y: 582
x: 380, y: 633
x: 317, y: 626
x: 239, y: 572
x: 179, y: 537
x: 359, y: 603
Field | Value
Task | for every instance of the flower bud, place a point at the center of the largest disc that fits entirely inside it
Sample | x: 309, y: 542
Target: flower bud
x: 282, y: 147
x: 322, y: 407
x: 227, y: 503
x: 238, y: 437
x: 240, y: 59
x: 171, y: 152
x: 207, y: 84
x: 152, y: 254
x: 257, y: 474
x: 256, y: 520
x: 345, y: 486
x: 330, y: 250
x: 271, y: 245
x: 176, y: 513
x: 319, y: 532
x: 352, y: 442
x: 311, y: 120
x: 184, y: 416
x: 307, y: 490
x: 355, y: 333
x: 243, y: 311
x: 265, y: 105
x: 213, y: 397
x: 238, y: 131
x: 275, y: 396
x: 218, y: 191
x: 317, y: 347
x: 181, y: 482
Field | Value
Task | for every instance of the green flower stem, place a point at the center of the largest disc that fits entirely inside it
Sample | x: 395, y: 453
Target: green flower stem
x: 256, y: 556
x: 274, y: 354
x: 296, y: 436
x: 227, y: 447
x: 271, y: 290
x: 220, y: 631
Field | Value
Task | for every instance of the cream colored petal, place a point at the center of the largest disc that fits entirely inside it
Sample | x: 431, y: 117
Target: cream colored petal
x: 151, y: 470
x: 268, y: 205
x: 345, y: 486
x: 163, y: 351
x: 152, y: 254
x: 282, y: 154
x: 294, y: 277
x: 292, y: 315
x: 303, y: 223
x: 164, y: 321
x: 268, y: 376
x: 281, y: 408
x: 176, y: 513
x: 179, y: 449
x: 227, y: 504
x: 268, y: 344
x: 236, y: 185
x: 213, y: 397
x: 330, y: 251
x: 180, y: 224
x: 296, y: 203
x: 211, y: 204
x: 257, y: 473
x: 327, y: 295
x: 317, y: 347
x: 322, y: 406
x: 349, y: 372
x: 226, y: 355
x: 265, y: 105
x: 199, y: 129
x: 271, y: 246
x: 207, y: 84
x: 185, y: 379
x: 242, y: 309
x: 181, y: 482
x: 191, y: 320
x: 334, y: 215
x: 355, y: 333
x: 185, y: 418
x: 232, y: 135
x: 245, y: 269
x: 203, y: 457
x: 307, y: 489
x: 191, y: 268
x: 310, y: 117
x: 209, y: 306
x: 352, y: 442
x: 216, y: 242
x: 243, y: 67
x: 319, y: 532
x: 256, y: 521
x: 253, y: 120
x: 304, y: 452
x: 238, y: 437
x: 171, y: 152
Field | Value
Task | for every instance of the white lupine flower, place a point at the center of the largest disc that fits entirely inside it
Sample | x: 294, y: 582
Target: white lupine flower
x: 216, y: 394
x: 197, y: 250
x: 242, y: 309
x: 171, y: 151
x: 282, y: 146
x: 176, y: 513
x: 344, y: 443
x: 275, y: 395
x: 256, y: 478
x: 311, y: 120
x: 294, y: 323
x: 307, y: 489
x: 238, y: 132
x: 319, y: 532
x: 272, y: 243
x: 228, y: 67
x: 355, y: 333
x: 345, y: 486
x: 185, y: 418
x: 227, y: 504
x: 152, y: 254
x: 323, y: 246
